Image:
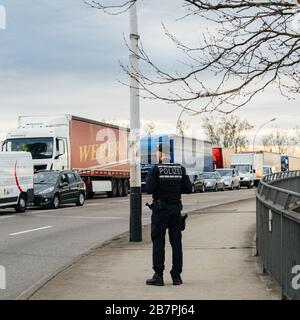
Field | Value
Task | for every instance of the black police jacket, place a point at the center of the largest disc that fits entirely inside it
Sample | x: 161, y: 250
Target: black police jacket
x: 168, y: 182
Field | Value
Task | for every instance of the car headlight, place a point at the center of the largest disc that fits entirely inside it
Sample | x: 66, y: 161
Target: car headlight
x: 48, y: 190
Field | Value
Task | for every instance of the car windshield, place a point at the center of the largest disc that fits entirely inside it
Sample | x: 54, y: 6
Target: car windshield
x: 46, y: 177
x: 208, y: 175
x: 40, y: 148
x: 225, y: 173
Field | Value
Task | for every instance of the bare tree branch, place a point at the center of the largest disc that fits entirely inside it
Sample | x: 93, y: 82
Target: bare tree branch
x: 228, y: 131
x: 255, y: 45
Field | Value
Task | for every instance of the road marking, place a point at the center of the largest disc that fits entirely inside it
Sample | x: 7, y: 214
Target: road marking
x: 7, y: 217
x: 64, y: 208
x: 94, y: 204
x: 80, y: 217
x: 32, y: 230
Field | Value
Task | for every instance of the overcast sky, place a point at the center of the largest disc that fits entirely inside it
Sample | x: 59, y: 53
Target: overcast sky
x: 63, y: 57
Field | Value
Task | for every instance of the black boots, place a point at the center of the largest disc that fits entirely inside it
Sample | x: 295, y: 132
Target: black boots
x: 155, y: 281
x: 177, y: 281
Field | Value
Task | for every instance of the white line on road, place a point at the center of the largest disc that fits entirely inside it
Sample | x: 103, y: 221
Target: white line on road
x: 32, y: 230
x: 66, y: 208
x: 7, y: 217
x: 80, y: 217
x: 94, y: 204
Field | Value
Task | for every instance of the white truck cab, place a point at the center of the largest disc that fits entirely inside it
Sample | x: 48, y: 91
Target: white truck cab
x: 252, y: 166
x: 47, y: 138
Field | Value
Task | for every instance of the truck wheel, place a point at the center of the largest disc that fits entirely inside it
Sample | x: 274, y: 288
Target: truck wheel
x: 55, y: 202
x: 114, y: 188
x: 125, y: 188
x: 81, y: 200
x: 239, y: 186
x: 120, y: 188
x: 22, y: 203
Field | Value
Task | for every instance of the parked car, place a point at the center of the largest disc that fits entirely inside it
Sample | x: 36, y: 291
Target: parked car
x: 213, y: 181
x: 16, y: 180
x: 197, y: 183
x: 231, y: 178
x: 53, y: 188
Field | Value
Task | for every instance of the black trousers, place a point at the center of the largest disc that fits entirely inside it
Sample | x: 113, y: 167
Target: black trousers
x: 168, y: 218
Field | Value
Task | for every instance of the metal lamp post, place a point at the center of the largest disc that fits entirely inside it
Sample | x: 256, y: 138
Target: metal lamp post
x: 272, y: 120
x: 134, y: 143
x: 179, y: 119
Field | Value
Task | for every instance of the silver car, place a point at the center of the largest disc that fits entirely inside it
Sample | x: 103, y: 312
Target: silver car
x: 231, y: 178
x: 213, y: 181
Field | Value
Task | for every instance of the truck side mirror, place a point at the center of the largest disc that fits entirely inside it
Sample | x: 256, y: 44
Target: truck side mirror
x: 58, y: 155
x: 3, y: 145
x: 253, y: 171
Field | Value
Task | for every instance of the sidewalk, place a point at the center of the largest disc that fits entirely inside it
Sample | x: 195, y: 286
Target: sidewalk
x: 218, y: 264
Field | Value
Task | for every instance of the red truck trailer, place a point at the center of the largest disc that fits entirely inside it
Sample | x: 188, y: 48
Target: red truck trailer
x: 221, y: 157
x: 99, y: 152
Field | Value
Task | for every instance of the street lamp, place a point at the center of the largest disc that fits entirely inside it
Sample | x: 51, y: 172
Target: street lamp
x: 179, y: 118
x: 272, y: 120
x: 135, y: 224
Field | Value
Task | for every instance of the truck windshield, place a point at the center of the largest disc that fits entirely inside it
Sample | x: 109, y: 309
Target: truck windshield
x: 40, y: 148
x: 267, y: 170
x: 243, y: 168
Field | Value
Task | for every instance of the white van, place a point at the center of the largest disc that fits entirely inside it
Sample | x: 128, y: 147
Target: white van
x: 16, y: 180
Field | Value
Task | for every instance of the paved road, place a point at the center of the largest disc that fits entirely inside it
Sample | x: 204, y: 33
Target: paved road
x: 37, y: 244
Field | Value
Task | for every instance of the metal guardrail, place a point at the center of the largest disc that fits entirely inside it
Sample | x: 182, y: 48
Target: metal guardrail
x: 278, y: 230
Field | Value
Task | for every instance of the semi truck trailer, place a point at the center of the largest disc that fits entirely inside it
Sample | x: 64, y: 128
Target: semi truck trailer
x: 96, y: 150
x: 194, y: 154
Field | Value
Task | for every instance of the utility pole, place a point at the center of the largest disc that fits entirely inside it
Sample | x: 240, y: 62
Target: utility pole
x: 134, y: 143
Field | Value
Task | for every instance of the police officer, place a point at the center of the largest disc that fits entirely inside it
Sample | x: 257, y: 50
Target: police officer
x: 166, y: 182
